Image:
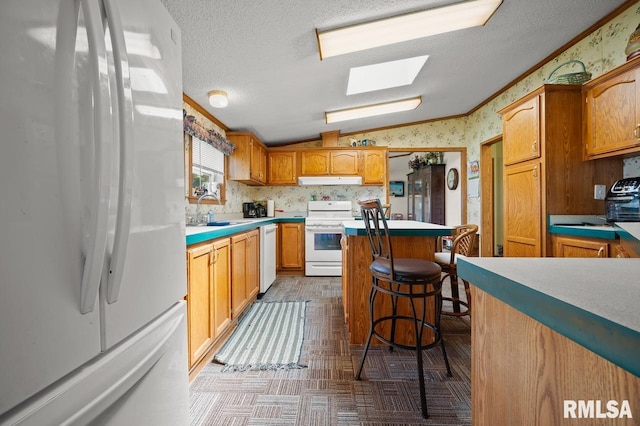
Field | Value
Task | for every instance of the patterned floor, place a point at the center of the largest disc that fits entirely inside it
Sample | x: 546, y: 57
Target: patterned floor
x: 326, y: 393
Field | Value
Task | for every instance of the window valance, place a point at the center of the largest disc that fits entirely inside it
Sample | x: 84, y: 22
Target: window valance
x: 196, y: 129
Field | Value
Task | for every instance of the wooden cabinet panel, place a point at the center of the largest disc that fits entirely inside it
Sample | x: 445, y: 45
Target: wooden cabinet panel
x: 521, y: 132
x: 522, y: 210
x: 343, y: 163
x: 612, y: 115
x: 248, y: 163
x: 200, y: 301
x: 314, y: 163
x: 221, y: 285
x: 580, y: 247
x: 282, y: 168
x: 258, y: 161
x: 374, y: 167
x: 245, y: 282
x: 291, y: 246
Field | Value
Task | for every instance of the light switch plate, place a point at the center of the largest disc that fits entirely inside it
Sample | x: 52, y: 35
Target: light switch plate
x: 599, y: 192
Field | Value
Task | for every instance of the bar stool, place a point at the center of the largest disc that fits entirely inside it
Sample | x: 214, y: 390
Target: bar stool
x: 412, y: 279
x: 462, y: 246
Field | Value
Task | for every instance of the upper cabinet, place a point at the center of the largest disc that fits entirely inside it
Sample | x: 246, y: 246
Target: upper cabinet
x: 374, y: 166
x: 328, y: 162
x: 612, y: 112
x: 521, y: 132
x: 248, y: 163
x: 282, y: 168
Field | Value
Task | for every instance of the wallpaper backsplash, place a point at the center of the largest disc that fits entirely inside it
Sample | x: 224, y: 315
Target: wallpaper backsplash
x: 600, y: 51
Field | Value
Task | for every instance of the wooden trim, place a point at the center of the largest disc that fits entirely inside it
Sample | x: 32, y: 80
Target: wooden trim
x: 203, y: 111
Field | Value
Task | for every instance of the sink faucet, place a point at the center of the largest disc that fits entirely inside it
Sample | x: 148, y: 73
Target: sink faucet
x: 203, y: 196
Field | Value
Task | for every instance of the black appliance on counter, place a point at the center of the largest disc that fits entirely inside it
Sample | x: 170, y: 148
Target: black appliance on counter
x: 253, y: 210
x: 623, y: 201
x: 249, y: 209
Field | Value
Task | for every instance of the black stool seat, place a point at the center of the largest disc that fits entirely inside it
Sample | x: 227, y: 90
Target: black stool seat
x: 416, y: 281
x: 408, y: 269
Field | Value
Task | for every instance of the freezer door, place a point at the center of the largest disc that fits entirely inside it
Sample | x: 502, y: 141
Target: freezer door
x: 48, y: 159
x: 142, y: 381
x: 153, y: 274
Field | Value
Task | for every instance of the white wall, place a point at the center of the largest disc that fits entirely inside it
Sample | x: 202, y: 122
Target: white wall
x: 453, y: 205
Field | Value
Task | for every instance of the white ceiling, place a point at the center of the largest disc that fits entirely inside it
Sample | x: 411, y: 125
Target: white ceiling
x: 264, y: 55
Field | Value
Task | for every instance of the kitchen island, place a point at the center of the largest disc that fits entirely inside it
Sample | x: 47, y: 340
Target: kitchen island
x: 409, y: 239
x: 549, y: 334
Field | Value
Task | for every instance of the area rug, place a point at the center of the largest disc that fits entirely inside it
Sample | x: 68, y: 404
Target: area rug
x: 268, y: 337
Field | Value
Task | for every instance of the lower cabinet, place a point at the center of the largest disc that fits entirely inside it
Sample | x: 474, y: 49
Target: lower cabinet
x: 290, y: 247
x: 245, y: 270
x: 208, y: 295
x: 582, y: 247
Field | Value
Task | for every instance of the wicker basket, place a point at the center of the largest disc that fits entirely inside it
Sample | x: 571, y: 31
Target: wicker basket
x: 571, y: 78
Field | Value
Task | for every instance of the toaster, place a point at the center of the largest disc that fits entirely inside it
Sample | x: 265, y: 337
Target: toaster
x: 623, y: 201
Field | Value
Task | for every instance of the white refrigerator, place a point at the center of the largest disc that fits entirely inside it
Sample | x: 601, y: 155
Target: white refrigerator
x: 92, y: 240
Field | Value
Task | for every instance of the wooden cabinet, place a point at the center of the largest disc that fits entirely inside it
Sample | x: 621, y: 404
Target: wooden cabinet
x: 425, y: 194
x: 245, y: 272
x: 290, y: 248
x: 523, y: 210
x: 374, y: 167
x: 612, y: 112
x: 208, y: 297
x: 582, y: 247
x: 248, y: 163
x: 314, y: 163
x: 521, y: 132
x: 343, y: 162
x: 328, y: 162
x: 544, y: 171
x: 282, y: 168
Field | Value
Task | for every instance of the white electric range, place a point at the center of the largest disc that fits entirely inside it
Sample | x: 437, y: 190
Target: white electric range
x: 323, y: 232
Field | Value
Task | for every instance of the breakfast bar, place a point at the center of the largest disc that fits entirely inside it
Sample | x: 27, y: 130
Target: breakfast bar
x: 548, y: 333
x: 409, y: 239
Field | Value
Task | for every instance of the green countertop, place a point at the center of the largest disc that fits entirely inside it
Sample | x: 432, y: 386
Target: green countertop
x: 198, y: 234
x: 405, y: 228
x: 593, y: 302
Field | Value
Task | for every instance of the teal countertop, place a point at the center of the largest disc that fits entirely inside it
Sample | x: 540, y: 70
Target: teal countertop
x: 198, y: 234
x: 404, y: 228
x: 593, y: 302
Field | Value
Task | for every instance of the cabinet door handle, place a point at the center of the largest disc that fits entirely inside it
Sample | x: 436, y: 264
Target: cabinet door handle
x: 535, y: 171
x: 533, y: 145
x: 635, y: 131
x: 213, y: 256
x: 601, y: 251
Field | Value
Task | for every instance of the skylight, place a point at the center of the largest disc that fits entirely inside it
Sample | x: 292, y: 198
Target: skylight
x: 384, y: 75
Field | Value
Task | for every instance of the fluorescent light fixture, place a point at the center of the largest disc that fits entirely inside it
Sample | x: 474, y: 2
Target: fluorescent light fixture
x: 384, y: 75
x: 405, y: 27
x: 218, y: 99
x: 372, y: 110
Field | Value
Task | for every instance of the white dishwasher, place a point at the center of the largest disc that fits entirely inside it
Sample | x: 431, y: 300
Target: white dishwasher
x: 267, y: 256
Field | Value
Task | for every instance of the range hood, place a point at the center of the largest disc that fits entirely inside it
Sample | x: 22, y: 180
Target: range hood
x: 329, y: 180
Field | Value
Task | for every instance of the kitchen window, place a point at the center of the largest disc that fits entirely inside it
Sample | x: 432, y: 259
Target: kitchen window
x: 204, y: 170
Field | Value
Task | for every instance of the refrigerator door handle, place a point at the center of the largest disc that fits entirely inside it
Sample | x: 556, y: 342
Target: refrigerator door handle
x: 97, y: 236
x: 126, y: 140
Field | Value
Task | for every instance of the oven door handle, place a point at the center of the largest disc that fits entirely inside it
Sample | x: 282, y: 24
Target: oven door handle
x: 323, y: 228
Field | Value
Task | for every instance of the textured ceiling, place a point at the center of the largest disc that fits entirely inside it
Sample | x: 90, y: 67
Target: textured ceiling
x: 264, y: 55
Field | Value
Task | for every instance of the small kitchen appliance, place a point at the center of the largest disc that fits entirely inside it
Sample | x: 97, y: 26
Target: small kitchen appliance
x: 623, y: 201
x: 249, y: 210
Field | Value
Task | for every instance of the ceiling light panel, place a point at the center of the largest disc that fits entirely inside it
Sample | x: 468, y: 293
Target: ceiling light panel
x: 372, y: 110
x: 405, y: 27
x: 384, y: 75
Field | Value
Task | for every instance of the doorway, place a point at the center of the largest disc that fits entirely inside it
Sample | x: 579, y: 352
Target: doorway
x: 491, y: 171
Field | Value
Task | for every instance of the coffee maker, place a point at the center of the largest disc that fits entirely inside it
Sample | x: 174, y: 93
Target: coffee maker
x: 249, y: 209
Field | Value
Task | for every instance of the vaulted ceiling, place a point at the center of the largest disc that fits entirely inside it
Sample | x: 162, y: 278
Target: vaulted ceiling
x: 264, y: 54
